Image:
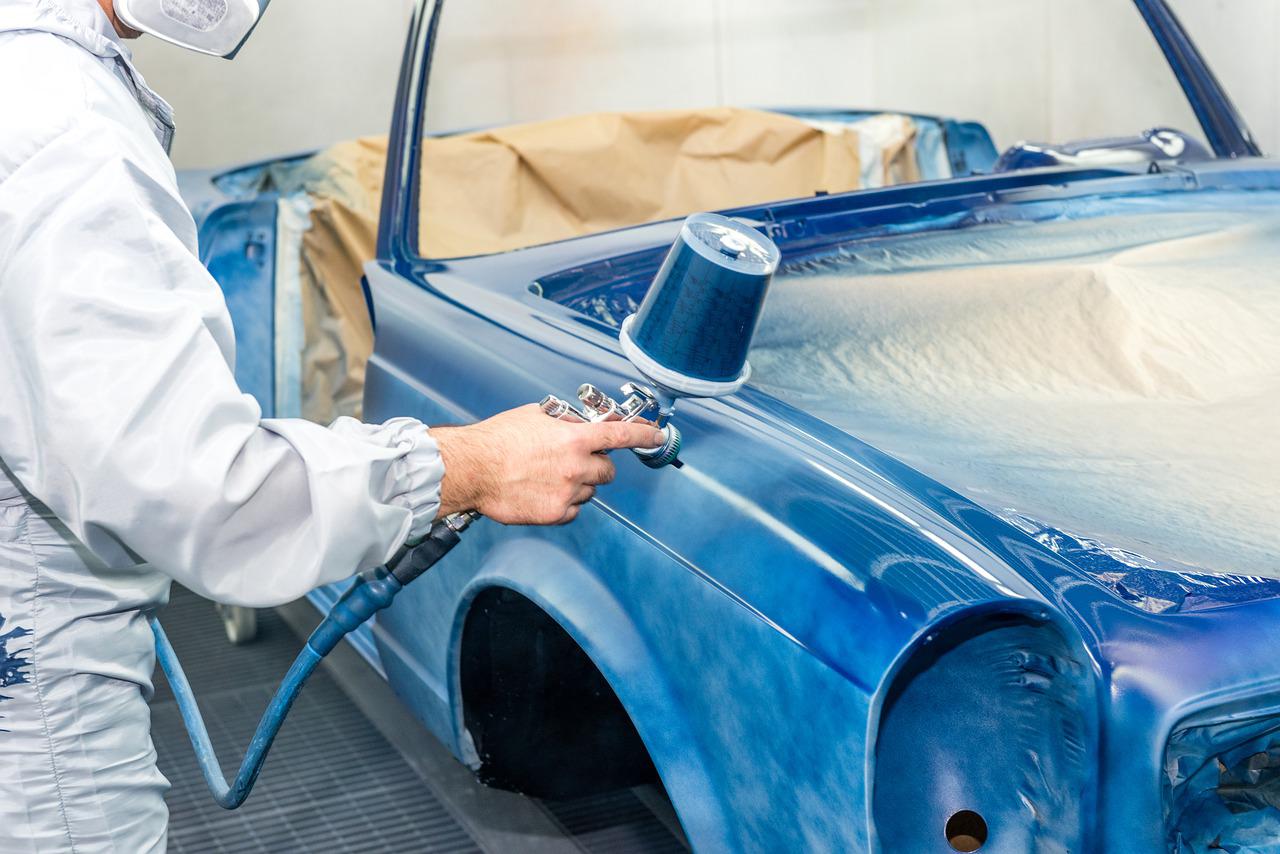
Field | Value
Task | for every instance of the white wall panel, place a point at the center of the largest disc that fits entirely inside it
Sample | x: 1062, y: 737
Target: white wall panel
x: 981, y: 59
x: 1239, y: 38
x: 323, y: 70
x: 501, y: 61
x: 807, y: 53
x: 1108, y: 74
x: 316, y: 71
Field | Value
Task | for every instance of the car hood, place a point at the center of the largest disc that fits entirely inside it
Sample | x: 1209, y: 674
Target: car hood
x: 1110, y: 386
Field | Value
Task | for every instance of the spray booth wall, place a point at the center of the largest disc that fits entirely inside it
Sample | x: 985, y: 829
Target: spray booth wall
x: 322, y: 70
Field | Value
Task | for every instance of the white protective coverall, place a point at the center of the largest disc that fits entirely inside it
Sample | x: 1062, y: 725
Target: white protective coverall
x: 128, y: 457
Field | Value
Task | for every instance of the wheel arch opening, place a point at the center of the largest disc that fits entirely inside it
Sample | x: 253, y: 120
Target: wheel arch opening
x: 544, y: 720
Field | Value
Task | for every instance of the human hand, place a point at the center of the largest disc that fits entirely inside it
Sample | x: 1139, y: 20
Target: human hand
x: 522, y: 467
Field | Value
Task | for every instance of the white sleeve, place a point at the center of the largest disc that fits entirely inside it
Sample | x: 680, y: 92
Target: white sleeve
x: 118, y: 408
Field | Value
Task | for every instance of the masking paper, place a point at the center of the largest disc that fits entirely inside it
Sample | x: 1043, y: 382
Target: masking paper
x: 1116, y: 378
x: 523, y: 185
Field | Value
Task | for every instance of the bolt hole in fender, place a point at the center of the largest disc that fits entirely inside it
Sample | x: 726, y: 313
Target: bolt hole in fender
x: 966, y: 831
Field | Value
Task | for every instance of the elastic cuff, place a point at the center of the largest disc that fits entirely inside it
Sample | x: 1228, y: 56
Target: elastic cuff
x: 414, y: 476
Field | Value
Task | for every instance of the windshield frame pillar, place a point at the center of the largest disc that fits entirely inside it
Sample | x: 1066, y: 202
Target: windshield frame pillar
x: 1224, y: 128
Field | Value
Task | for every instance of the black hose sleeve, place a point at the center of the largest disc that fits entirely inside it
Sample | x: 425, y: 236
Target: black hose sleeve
x: 418, y: 559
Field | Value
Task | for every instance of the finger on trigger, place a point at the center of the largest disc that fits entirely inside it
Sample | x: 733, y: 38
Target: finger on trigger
x: 611, y: 435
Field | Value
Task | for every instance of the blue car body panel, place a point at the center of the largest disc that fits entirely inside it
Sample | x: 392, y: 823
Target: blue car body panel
x: 965, y: 146
x: 820, y: 647
x: 803, y: 514
x: 237, y: 245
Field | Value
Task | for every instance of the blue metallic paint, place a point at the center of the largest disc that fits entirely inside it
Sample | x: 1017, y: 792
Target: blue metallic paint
x: 820, y: 526
x: 969, y: 148
x: 757, y: 619
x: 1043, y: 692
x: 1220, y: 779
x: 237, y: 244
x: 831, y: 511
x: 811, y: 530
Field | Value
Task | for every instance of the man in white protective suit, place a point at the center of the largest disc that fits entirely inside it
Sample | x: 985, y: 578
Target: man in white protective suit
x: 128, y: 456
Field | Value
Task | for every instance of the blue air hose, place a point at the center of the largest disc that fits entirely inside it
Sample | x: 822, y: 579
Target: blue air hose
x: 371, y: 592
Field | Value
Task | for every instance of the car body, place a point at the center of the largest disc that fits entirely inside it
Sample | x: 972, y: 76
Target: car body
x: 813, y: 644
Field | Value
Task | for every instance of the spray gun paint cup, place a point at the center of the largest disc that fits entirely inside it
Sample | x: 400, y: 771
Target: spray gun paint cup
x: 692, y: 332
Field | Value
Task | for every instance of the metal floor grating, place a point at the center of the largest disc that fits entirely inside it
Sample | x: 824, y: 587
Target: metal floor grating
x: 331, y: 783
x: 334, y: 783
x: 614, y: 823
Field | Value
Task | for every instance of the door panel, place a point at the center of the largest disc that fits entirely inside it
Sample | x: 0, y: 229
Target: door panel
x: 237, y: 245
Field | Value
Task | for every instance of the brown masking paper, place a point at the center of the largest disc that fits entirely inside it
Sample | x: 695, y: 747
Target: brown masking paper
x: 524, y: 185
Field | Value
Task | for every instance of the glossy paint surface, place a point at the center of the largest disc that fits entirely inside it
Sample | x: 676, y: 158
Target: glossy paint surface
x: 828, y: 552
x: 811, y: 636
x: 947, y: 712
x: 830, y: 562
x: 1220, y: 783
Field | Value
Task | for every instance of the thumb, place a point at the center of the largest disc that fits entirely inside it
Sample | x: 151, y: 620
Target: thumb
x: 610, y: 435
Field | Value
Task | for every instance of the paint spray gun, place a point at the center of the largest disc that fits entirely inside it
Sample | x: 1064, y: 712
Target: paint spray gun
x: 689, y: 338
x: 691, y: 334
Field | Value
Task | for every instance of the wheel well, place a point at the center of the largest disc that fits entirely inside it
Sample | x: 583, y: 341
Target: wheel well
x: 544, y: 720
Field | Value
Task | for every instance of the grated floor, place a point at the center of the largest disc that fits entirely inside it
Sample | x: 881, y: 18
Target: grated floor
x: 614, y: 823
x: 334, y: 783
x: 331, y: 783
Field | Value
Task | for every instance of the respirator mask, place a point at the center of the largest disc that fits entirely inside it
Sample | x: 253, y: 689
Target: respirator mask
x: 215, y: 27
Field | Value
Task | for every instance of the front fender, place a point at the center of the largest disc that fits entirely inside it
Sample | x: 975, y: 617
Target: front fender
x: 757, y: 607
x: 759, y: 743
x: 561, y: 584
